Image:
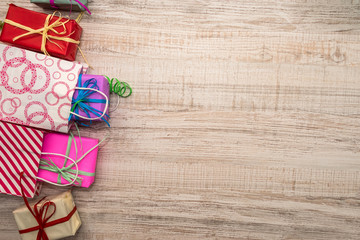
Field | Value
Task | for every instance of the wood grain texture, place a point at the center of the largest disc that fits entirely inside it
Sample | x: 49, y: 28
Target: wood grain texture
x: 244, y: 122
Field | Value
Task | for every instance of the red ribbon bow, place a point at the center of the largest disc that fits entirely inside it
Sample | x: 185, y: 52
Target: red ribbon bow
x: 41, y: 215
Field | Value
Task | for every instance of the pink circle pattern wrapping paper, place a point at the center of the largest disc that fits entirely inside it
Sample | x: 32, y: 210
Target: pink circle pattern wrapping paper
x: 36, y: 90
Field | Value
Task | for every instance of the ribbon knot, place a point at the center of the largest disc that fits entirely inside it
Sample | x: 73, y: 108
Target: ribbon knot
x: 82, y: 101
x: 48, y: 27
x: 42, y: 215
x: 60, y: 170
x: 64, y: 172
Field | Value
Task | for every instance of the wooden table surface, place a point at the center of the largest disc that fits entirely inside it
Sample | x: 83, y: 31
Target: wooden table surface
x: 243, y: 123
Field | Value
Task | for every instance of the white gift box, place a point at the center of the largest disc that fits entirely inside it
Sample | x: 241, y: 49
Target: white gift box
x: 36, y: 90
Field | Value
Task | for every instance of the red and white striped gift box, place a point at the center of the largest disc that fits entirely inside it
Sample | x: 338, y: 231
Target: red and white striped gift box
x: 20, y: 149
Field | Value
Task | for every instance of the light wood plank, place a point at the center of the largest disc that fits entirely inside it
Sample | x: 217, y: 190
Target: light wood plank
x: 244, y: 122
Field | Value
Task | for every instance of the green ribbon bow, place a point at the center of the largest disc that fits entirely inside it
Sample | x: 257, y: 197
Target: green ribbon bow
x: 122, y: 89
x: 66, y: 172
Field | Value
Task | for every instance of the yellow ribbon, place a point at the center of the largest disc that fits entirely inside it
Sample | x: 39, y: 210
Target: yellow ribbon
x: 44, y: 31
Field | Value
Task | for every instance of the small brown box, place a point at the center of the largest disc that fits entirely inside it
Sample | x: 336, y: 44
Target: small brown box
x: 64, y: 205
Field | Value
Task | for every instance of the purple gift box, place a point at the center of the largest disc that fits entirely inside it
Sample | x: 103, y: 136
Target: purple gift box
x: 88, y: 81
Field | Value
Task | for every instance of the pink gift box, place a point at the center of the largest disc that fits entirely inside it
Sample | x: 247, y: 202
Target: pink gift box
x: 58, y: 143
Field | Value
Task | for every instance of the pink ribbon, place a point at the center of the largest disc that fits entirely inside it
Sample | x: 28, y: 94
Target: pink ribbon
x: 52, y: 4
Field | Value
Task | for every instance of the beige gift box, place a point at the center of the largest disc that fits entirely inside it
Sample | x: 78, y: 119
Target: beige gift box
x: 64, y: 205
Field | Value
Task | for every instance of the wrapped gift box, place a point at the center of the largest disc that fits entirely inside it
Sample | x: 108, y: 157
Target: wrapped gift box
x: 74, y: 148
x: 65, y: 207
x: 18, y: 18
x: 36, y: 90
x: 92, y: 103
x: 20, y: 149
x: 63, y: 4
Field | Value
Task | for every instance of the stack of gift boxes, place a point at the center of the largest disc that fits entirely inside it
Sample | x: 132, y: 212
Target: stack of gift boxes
x: 43, y: 92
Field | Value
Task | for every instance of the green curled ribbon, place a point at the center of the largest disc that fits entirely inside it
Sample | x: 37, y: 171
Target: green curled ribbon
x: 66, y: 172
x: 122, y: 89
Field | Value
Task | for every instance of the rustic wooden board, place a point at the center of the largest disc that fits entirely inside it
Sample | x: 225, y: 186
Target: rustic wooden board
x: 244, y: 122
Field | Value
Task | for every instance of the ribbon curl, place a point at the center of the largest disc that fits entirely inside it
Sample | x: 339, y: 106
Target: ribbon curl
x: 119, y: 88
x: 41, y: 215
x: 44, y: 31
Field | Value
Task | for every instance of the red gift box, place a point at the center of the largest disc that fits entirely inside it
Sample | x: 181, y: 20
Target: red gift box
x: 60, y: 37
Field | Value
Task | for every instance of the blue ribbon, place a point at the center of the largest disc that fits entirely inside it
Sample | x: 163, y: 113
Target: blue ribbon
x: 83, y: 100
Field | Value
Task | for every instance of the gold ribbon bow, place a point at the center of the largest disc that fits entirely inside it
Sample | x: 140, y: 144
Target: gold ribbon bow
x: 44, y: 31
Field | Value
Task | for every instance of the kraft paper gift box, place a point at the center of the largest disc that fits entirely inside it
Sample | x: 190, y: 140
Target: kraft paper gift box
x: 73, y: 5
x: 65, y: 208
x: 22, y: 28
x: 36, y: 90
x: 75, y: 149
x: 20, y: 149
x: 89, y: 103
